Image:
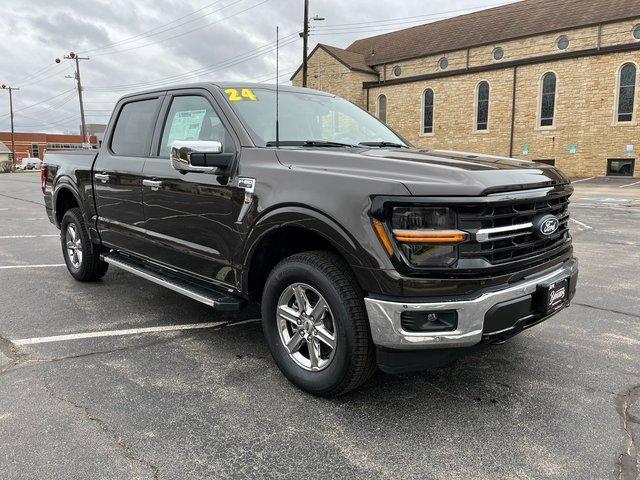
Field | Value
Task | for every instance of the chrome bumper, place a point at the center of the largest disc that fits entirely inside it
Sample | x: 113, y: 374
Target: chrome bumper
x: 386, y: 328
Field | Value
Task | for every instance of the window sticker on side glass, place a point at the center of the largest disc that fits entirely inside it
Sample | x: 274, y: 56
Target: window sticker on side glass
x: 239, y: 95
x: 186, y: 125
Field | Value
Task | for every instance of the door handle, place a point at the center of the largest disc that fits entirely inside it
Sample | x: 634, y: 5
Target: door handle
x: 103, y: 177
x: 153, y: 184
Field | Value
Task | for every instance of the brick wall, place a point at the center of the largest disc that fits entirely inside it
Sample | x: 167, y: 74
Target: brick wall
x: 24, y: 141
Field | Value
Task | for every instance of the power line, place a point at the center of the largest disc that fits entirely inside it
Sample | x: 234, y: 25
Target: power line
x: 50, y: 74
x: 224, y: 64
x: 237, y: 59
x: 411, y: 19
x: 478, y: 11
x: 43, y: 101
x: 185, y: 33
x: 37, y: 73
x: 144, y: 34
x: 42, y: 123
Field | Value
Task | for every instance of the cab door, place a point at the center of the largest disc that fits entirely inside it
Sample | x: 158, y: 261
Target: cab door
x: 190, y: 217
x: 117, y: 173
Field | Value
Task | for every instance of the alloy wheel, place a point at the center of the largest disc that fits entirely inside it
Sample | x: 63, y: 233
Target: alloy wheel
x: 74, y: 245
x: 306, y: 326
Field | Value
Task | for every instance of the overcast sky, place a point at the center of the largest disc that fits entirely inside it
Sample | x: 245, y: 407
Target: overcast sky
x: 141, y: 44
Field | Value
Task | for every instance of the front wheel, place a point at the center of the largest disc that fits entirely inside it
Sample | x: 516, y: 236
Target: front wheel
x: 81, y: 256
x: 315, y: 324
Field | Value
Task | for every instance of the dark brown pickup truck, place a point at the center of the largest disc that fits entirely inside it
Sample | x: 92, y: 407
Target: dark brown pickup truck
x: 362, y: 250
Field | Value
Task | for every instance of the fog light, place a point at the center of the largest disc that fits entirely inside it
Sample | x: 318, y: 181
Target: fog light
x: 429, y: 321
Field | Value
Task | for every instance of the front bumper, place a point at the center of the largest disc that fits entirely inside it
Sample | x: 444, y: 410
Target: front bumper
x: 385, y: 315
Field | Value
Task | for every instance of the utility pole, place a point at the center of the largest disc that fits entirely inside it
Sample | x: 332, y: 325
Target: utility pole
x: 305, y: 43
x: 13, y: 140
x: 305, y: 40
x: 76, y: 58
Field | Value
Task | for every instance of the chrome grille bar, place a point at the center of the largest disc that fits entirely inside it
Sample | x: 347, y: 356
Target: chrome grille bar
x: 485, y: 234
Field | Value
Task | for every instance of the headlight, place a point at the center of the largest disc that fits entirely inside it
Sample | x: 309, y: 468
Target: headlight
x: 427, y: 236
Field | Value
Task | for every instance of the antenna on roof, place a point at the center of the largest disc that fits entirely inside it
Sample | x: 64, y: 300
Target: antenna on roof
x: 277, y: 87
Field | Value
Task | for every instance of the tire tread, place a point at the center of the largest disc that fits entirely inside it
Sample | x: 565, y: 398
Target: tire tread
x: 93, y: 267
x: 363, y: 364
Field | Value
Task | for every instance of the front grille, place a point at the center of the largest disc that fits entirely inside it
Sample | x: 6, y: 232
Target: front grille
x: 498, y: 242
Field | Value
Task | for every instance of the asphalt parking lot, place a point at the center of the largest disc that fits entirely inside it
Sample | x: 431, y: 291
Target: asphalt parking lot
x: 560, y: 401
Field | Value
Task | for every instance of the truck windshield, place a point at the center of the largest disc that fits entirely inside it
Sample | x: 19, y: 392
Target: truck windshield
x: 307, y: 119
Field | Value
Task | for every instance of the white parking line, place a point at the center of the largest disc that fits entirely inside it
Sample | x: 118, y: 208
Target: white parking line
x: 580, y: 223
x: 629, y: 185
x: 9, y: 267
x: 130, y: 331
x: 5, y: 237
x: 583, y: 180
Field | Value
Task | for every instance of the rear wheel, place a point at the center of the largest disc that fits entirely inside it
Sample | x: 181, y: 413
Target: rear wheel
x: 315, y: 324
x: 80, y: 254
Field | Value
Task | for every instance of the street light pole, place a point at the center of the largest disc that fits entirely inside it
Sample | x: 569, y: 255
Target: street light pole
x: 76, y: 58
x: 13, y: 140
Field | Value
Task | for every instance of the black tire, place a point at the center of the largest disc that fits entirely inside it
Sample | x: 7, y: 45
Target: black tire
x: 90, y: 268
x: 353, y: 361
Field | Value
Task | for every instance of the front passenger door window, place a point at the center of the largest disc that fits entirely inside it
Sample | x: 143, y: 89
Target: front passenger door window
x: 191, y: 118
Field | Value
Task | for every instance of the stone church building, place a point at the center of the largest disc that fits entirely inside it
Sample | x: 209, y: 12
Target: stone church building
x: 546, y: 80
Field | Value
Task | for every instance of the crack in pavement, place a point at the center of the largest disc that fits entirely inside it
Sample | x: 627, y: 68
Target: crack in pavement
x: 119, y: 441
x: 627, y: 462
x: 11, y: 351
x: 25, y: 361
x: 610, y: 310
x: 21, y: 199
x: 21, y: 358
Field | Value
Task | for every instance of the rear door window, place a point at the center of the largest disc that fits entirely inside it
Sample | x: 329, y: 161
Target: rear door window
x: 134, y: 128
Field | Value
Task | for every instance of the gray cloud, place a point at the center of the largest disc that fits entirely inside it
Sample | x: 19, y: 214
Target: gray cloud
x: 45, y: 30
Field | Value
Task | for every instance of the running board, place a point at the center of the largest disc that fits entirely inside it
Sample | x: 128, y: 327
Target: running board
x: 209, y: 295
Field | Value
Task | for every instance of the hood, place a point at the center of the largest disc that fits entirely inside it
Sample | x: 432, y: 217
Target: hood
x: 428, y: 172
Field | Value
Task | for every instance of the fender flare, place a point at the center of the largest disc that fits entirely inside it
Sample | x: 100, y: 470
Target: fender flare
x: 306, y: 218
x: 66, y: 183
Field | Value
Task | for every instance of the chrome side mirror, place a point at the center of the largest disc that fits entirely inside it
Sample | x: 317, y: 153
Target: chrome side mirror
x: 197, y: 156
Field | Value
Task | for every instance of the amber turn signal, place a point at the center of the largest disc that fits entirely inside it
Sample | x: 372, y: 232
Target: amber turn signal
x: 383, y: 237
x: 430, y: 236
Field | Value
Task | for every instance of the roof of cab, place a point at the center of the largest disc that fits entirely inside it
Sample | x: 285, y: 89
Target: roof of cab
x: 224, y: 85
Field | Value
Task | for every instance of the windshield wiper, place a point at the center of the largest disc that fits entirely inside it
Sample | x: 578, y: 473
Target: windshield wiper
x: 382, y: 144
x: 308, y: 143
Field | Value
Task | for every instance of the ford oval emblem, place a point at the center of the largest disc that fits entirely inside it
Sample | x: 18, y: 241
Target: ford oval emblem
x: 546, y: 226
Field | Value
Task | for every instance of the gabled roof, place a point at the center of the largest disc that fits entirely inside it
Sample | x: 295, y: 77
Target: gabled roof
x: 352, y: 60
x: 493, y: 25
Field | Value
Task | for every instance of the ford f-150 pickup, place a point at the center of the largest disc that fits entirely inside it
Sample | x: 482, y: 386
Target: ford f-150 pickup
x: 363, y: 251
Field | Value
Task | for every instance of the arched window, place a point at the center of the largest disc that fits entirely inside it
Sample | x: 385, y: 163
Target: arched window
x: 626, y: 92
x: 548, y: 100
x: 482, y: 106
x: 428, y: 111
x: 382, y: 108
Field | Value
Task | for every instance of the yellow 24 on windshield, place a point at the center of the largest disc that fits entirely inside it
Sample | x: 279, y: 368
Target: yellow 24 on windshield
x: 238, y: 96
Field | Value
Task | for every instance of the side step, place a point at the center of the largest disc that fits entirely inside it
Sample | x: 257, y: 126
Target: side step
x: 209, y: 295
